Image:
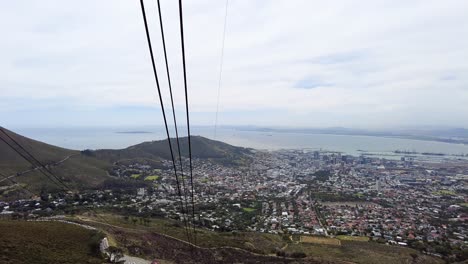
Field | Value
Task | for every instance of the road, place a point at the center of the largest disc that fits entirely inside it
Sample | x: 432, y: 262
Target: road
x: 135, y: 260
x: 319, y: 219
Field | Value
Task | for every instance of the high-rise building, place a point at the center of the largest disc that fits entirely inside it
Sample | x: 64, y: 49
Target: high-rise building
x: 316, y: 155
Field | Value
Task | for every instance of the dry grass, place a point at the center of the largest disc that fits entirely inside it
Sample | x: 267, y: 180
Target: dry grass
x: 320, y: 240
x: 362, y: 252
x: 353, y: 238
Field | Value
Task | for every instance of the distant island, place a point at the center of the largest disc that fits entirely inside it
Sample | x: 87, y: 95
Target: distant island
x: 133, y: 132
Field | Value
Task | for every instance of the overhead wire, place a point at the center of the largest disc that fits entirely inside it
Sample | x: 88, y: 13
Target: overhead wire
x: 35, y: 166
x: 221, y: 62
x: 164, y: 116
x: 35, y: 162
x: 172, y: 104
x: 181, y: 23
x: 33, y: 158
x: 5, y: 177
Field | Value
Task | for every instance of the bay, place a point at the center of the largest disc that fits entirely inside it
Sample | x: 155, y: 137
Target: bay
x: 121, y: 137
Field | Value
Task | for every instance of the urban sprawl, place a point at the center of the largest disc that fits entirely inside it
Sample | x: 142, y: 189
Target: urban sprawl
x: 404, y: 202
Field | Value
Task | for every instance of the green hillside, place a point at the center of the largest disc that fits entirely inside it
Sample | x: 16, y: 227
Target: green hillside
x: 202, y: 148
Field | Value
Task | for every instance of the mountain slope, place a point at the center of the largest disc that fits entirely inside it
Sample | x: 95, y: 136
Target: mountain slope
x: 11, y: 162
x: 75, y: 169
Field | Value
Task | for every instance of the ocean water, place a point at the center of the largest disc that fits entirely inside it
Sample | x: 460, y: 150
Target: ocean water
x: 110, y: 138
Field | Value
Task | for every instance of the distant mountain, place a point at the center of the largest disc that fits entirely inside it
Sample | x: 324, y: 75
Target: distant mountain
x: 448, y: 135
x: 456, y: 133
x: 154, y: 151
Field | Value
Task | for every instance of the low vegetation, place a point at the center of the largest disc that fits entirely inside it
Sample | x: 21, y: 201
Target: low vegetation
x: 248, y: 209
x: 48, y: 243
x: 152, y: 178
x: 138, y: 234
x: 135, y: 176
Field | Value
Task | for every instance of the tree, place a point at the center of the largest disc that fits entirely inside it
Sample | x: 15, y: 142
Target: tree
x: 146, y: 221
x: 419, y: 246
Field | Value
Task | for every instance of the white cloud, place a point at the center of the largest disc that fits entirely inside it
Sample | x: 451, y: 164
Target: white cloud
x: 368, y: 63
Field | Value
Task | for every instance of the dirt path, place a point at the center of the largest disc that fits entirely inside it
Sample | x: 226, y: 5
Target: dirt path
x: 171, y: 237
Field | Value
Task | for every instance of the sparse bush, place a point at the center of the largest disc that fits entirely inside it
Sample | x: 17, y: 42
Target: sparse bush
x: 280, y: 253
x: 298, y: 254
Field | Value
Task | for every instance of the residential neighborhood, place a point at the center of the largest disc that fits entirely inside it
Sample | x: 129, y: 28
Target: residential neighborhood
x: 403, y: 202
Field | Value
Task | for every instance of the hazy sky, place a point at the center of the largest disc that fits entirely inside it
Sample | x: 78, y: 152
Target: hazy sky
x: 295, y: 63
